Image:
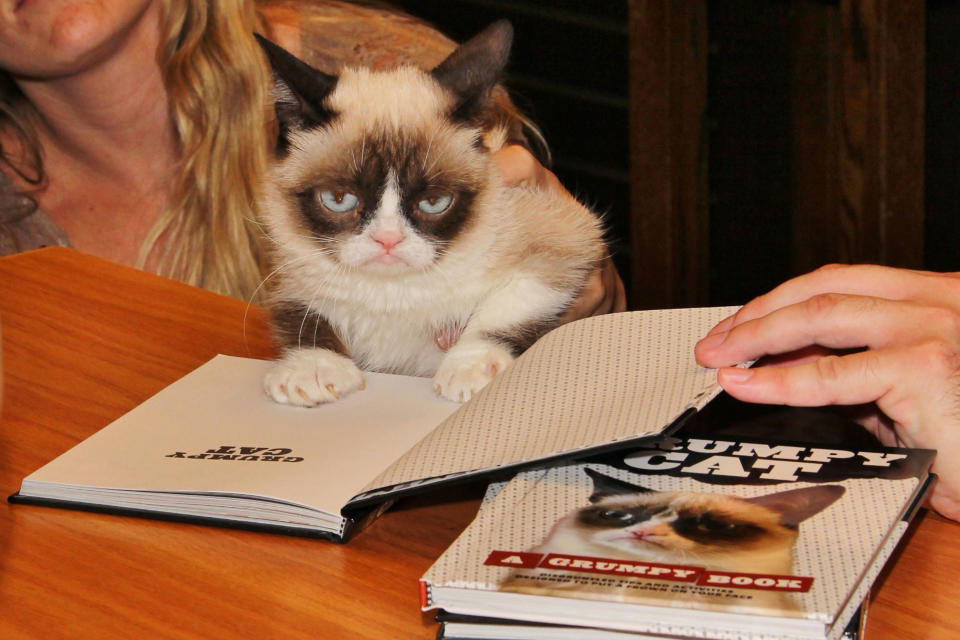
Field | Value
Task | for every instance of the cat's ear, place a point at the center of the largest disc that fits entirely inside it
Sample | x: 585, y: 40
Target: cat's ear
x: 300, y: 92
x: 605, y: 486
x: 796, y: 505
x: 471, y: 71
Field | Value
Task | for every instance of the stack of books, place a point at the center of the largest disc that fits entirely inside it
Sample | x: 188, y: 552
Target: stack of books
x: 691, y: 537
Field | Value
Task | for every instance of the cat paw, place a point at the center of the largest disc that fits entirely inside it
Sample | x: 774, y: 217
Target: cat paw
x: 468, y: 368
x: 310, y: 377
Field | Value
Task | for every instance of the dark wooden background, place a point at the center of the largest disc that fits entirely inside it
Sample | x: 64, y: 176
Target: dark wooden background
x: 735, y: 143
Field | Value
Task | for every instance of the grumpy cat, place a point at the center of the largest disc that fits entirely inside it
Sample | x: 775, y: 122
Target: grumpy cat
x: 714, y: 531
x: 397, y: 248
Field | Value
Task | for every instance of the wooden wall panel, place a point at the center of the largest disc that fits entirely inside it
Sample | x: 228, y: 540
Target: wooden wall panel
x: 668, y: 156
x: 881, y: 155
x: 823, y: 230
x: 858, y: 161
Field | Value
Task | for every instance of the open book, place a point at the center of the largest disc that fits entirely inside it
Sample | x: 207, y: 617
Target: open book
x: 213, y: 448
x: 731, y: 537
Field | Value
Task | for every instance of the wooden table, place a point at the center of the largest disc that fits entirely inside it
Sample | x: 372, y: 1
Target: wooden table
x: 85, y: 340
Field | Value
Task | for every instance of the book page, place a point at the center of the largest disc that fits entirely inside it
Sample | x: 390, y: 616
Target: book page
x: 596, y: 381
x: 215, y: 430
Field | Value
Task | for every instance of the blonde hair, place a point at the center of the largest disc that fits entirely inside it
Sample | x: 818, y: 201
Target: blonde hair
x: 217, y: 80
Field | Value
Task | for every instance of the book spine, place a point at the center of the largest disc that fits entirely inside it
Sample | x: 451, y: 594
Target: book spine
x: 424, y: 595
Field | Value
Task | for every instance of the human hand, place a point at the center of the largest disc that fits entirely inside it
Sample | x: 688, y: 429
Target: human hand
x: 602, y: 293
x: 856, y: 335
x: 518, y: 167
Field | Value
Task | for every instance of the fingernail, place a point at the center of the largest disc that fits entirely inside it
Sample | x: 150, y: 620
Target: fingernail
x: 735, y: 375
x: 722, y: 326
x: 712, y: 341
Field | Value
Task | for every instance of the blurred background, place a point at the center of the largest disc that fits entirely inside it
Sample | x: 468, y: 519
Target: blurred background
x: 733, y: 144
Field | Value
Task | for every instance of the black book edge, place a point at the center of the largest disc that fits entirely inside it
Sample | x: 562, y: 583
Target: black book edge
x: 911, y: 511
x: 360, y: 513
x: 506, y: 471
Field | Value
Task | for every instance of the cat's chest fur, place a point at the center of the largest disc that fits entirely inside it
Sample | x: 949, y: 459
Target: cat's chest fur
x: 394, y: 327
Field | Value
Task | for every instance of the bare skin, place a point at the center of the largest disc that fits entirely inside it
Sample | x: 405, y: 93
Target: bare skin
x: 103, y: 119
x: 110, y: 152
x: 883, y: 340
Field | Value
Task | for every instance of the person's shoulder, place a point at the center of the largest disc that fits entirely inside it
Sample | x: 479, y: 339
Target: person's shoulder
x: 329, y: 34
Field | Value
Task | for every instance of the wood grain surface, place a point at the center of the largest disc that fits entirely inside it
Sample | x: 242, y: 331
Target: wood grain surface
x: 85, y: 340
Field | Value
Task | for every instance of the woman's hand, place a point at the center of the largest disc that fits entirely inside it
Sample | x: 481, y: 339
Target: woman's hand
x: 603, y: 292
x: 518, y: 167
x: 857, y: 335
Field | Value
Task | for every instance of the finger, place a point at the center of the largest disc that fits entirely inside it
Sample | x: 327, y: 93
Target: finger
x: 588, y: 300
x: 615, y: 296
x: 863, y: 280
x: 620, y: 300
x: 547, y: 179
x: 829, y: 320
x: 806, y: 354
x: 852, y: 379
x: 515, y: 164
x: 724, y: 325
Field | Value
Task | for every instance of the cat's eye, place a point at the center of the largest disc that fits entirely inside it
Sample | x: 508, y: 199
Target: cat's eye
x: 338, y: 201
x: 616, y: 515
x: 436, y: 204
x: 706, y: 522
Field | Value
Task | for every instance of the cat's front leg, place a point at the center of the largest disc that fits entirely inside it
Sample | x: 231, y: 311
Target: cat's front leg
x: 468, y: 367
x: 310, y: 377
x: 508, y: 321
x: 315, y: 368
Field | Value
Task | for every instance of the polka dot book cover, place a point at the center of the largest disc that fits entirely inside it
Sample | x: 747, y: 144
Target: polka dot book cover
x: 693, y: 536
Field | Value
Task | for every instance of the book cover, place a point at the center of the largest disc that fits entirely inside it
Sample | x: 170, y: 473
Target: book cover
x: 190, y: 451
x: 458, y: 627
x: 738, y: 537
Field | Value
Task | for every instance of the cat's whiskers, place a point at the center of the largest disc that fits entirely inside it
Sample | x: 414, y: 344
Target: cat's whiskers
x: 426, y: 153
x: 433, y: 173
x: 282, y: 266
x: 303, y: 323
x: 288, y: 264
x: 262, y: 228
x: 358, y: 164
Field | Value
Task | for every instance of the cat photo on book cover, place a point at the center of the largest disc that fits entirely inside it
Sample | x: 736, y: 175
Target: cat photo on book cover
x: 396, y: 246
x: 714, y: 531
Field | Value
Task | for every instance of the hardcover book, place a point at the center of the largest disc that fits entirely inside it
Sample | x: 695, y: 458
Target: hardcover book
x: 213, y: 448
x: 456, y: 627
x: 694, y: 536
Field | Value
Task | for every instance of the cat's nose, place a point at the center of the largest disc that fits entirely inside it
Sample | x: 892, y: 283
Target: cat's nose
x: 387, y: 238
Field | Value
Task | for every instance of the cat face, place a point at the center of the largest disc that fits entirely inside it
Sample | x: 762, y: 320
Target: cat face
x: 381, y: 171
x: 645, y: 523
x: 683, y: 523
x: 402, y: 198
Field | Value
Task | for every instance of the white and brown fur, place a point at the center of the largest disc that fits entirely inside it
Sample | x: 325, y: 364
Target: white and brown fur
x: 375, y: 288
x: 715, y: 531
